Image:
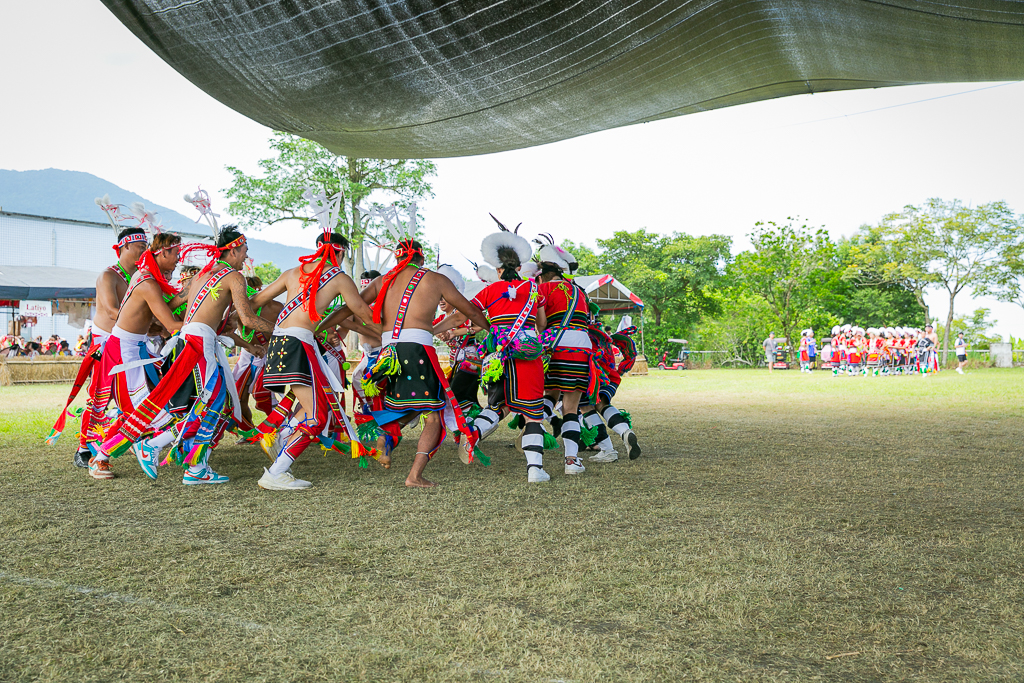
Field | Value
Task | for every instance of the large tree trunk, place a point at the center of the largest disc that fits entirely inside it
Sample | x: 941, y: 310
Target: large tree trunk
x: 919, y: 297
x: 945, y: 332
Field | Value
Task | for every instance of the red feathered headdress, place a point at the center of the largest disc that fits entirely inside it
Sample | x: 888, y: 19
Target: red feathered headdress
x: 148, y: 263
x: 404, y: 254
x: 309, y: 283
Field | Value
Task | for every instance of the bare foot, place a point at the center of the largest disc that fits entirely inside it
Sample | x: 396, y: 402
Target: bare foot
x: 385, y: 457
x: 419, y: 482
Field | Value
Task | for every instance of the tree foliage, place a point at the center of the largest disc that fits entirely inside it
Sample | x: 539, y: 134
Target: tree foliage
x: 792, y: 268
x: 676, y: 276
x: 267, y: 272
x: 275, y: 194
x: 965, y: 247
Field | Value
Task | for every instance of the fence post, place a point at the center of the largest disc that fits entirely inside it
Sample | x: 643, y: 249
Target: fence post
x: 1002, y: 354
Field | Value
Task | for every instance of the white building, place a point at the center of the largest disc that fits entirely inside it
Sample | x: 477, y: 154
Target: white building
x: 55, y: 259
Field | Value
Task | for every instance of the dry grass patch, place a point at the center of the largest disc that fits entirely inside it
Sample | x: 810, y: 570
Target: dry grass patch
x: 772, y: 523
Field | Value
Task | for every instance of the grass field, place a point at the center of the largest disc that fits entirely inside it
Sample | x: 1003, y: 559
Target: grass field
x: 784, y: 527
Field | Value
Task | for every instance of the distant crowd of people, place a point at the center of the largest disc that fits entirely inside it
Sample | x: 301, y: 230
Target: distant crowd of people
x: 854, y: 350
x: 16, y: 346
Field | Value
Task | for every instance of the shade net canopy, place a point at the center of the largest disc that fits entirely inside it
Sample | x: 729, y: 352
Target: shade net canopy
x: 427, y: 79
x: 45, y: 282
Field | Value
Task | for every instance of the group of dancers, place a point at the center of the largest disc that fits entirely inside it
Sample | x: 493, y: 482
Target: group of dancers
x: 880, y: 351
x: 530, y: 339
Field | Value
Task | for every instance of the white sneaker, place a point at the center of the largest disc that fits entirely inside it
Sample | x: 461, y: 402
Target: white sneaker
x: 282, y: 482
x: 574, y: 465
x: 605, y: 456
x: 536, y: 474
x: 960, y: 370
x: 632, y: 444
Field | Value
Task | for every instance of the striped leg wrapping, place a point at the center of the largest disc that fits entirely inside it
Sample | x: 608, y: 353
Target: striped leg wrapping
x: 533, y: 444
x: 615, y: 420
x: 571, y: 435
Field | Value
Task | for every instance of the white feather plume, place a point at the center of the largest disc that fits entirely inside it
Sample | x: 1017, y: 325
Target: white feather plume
x: 548, y: 253
x: 453, y: 275
x: 498, y: 240
x: 486, y: 273
x: 529, y: 270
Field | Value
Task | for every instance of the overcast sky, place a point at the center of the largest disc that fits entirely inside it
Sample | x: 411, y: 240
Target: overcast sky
x: 80, y: 92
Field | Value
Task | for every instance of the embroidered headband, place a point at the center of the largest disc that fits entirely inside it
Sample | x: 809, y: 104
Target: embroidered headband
x: 237, y: 242
x: 128, y: 239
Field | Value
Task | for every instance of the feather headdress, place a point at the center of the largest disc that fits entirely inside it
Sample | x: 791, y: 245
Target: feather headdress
x: 114, y: 216
x: 395, y: 231
x: 453, y: 275
x: 327, y: 210
x: 484, y: 272
x: 201, y: 200
x: 147, y: 219
x: 498, y: 247
x: 549, y: 252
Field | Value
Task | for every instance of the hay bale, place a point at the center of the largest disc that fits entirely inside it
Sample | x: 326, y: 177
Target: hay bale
x: 48, y: 370
x: 5, y: 374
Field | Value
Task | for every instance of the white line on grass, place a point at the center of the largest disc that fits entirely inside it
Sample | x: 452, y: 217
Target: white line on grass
x: 126, y: 599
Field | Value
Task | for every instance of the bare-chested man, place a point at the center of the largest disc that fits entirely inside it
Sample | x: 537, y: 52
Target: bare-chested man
x: 293, y: 359
x: 111, y: 286
x: 149, y: 297
x: 405, y: 301
x: 211, y: 292
x: 248, y: 370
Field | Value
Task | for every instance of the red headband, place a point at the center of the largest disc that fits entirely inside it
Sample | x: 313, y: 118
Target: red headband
x: 237, y: 242
x: 128, y: 239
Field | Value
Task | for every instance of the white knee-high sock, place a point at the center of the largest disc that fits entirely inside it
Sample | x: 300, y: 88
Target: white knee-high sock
x: 549, y: 408
x: 533, y: 444
x: 594, y: 421
x: 615, y: 421
x: 163, y: 438
x: 571, y: 435
x: 486, y: 421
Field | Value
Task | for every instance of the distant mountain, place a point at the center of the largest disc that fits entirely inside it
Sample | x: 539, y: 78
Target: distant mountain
x: 72, y: 194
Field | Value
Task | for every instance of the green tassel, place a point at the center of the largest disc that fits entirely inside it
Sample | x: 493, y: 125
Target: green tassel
x: 473, y: 412
x: 76, y: 412
x: 516, y: 422
x: 368, y: 431
x: 363, y: 462
x: 627, y: 417
x: 550, y: 442
x: 175, y: 455
x: 588, y: 434
x: 479, y: 455
x: 492, y: 369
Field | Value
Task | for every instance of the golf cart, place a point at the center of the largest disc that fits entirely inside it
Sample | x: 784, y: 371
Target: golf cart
x: 679, y: 362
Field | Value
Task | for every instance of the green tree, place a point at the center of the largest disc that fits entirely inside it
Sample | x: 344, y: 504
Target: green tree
x: 589, y: 264
x: 276, y: 194
x: 267, y: 272
x: 793, y: 269
x: 889, y: 255
x: 967, y: 248
x: 1007, y: 283
x: 974, y: 327
x: 673, y: 275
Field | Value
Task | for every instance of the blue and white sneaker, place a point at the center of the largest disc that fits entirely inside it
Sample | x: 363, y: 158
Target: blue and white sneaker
x: 207, y: 476
x: 148, y: 457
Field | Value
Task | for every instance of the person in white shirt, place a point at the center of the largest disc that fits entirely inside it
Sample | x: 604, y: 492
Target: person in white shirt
x: 961, y: 352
